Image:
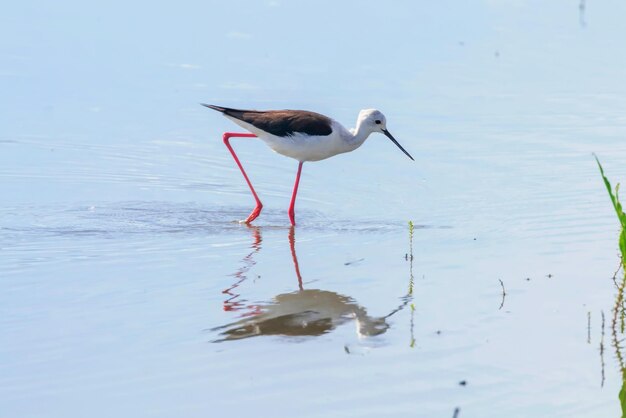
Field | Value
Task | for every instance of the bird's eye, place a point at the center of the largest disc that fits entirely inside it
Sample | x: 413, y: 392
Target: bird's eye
x: 377, y: 122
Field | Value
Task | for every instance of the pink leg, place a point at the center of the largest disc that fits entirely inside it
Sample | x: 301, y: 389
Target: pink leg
x: 293, y: 196
x: 257, y: 210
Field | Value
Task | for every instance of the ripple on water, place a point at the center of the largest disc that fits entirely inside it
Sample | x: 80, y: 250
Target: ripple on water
x: 131, y: 218
x: 31, y: 235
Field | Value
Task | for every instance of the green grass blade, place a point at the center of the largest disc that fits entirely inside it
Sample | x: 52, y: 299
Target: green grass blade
x: 614, y: 196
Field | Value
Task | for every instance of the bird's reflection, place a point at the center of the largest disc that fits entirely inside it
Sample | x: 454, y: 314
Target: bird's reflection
x: 233, y: 301
x: 304, y: 312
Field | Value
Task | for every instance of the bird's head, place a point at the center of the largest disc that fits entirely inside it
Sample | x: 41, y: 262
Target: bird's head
x: 373, y: 120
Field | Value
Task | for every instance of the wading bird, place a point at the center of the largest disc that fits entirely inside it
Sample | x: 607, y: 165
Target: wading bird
x: 302, y: 135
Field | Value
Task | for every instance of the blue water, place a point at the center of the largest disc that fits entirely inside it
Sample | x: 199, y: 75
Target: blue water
x: 124, y: 270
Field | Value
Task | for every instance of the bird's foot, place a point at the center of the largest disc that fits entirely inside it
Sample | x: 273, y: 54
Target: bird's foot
x: 254, y: 214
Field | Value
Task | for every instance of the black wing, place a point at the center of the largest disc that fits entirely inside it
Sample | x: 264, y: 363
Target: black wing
x: 281, y: 122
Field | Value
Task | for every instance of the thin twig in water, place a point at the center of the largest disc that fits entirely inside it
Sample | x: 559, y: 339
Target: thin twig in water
x: 503, y: 294
x: 456, y: 412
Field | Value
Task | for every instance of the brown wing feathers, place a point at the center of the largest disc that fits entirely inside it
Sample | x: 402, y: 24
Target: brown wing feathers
x: 281, y: 122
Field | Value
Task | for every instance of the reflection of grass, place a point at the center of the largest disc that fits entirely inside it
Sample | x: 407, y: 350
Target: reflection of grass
x: 408, y: 298
x: 619, y: 313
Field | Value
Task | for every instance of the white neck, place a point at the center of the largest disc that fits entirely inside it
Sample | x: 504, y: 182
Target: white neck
x: 359, y: 134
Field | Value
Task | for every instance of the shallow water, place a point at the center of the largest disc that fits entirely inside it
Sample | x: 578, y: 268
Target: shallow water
x: 130, y: 289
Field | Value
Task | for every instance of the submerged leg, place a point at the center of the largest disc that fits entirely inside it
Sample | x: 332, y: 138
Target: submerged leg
x: 257, y: 210
x: 293, y: 196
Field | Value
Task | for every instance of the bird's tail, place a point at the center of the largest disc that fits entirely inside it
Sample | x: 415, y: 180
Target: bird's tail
x: 218, y: 108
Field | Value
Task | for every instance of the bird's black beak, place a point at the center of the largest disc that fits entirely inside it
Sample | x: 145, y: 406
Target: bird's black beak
x: 386, y: 132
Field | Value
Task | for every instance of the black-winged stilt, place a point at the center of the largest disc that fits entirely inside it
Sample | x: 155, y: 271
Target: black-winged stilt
x: 302, y: 135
